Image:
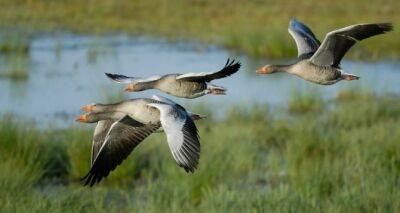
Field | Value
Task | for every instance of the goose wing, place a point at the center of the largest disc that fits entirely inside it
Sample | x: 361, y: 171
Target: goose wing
x: 123, y: 79
x: 193, y: 115
x: 167, y: 101
x: 305, y: 39
x: 338, y: 42
x: 124, y: 135
x: 99, y: 135
x: 230, y: 68
x: 182, y: 135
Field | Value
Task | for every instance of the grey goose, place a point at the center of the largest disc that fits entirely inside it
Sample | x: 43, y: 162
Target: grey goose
x: 123, y: 126
x: 320, y: 63
x: 189, y: 85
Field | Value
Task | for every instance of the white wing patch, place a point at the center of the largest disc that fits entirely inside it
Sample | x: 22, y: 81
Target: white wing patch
x: 190, y: 75
x: 127, y: 80
x: 149, y: 79
x: 164, y: 99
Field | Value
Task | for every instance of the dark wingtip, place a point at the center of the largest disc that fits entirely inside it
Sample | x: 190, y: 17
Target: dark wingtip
x: 386, y: 27
x: 90, y: 179
x: 189, y: 169
x: 86, y: 179
x: 110, y: 75
x: 232, y: 63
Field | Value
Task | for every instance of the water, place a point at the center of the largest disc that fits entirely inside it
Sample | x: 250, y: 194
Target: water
x: 67, y: 72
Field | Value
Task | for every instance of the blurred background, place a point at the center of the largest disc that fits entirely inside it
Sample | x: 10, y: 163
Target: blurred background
x: 273, y: 142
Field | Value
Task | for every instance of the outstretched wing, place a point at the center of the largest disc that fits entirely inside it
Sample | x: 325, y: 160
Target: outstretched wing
x: 230, y: 68
x: 99, y: 135
x: 182, y: 135
x: 124, y: 135
x: 127, y: 80
x: 305, y: 39
x: 338, y: 42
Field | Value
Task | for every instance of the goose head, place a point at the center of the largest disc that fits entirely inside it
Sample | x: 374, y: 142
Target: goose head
x: 87, y: 118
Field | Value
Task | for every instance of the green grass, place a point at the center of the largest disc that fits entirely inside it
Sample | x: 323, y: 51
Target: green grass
x: 344, y: 157
x: 14, y: 45
x: 16, y: 67
x: 309, y: 101
x: 257, y: 28
x: 15, y: 74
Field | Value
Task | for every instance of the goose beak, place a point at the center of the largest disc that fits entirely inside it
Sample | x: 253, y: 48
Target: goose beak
x: 87, y: 108
x: 263, y: 70
x: 129, y: 88
x: 81, y: 118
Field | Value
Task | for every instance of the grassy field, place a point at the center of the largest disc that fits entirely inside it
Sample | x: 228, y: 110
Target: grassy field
x: 344, y: 159
x: 257, y: 28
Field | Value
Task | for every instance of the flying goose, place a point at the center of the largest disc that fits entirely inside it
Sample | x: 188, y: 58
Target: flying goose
x: 190, y: 85
x: 123, y: 126
x: 321, y: 63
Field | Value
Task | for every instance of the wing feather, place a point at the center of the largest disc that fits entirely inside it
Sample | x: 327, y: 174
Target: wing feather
x: 305, y: 39
x: 99, y: 135
x: 338, y: 42
x: 124, y: 135
x: 230, y: 68
x: 123, y: 79
x: 182, y: 135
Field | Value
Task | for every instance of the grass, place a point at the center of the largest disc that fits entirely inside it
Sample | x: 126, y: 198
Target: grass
x: 14, y: 44
x: 309, y: 101
x: 257, y: 28
x: 15, y: 74
x: 16, y: 67
x: 345, y: 158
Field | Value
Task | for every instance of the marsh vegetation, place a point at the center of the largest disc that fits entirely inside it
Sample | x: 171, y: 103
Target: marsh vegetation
x: 346, y: 158
x: 257, y: 28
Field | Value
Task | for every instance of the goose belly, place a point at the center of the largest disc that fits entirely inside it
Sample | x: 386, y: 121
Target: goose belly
x: 319, y: 75
x: 182, y: 88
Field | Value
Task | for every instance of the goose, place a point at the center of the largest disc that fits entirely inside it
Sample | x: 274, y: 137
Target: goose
x: 123, y: 126
x: 320, y: 63
x: 189, y: 85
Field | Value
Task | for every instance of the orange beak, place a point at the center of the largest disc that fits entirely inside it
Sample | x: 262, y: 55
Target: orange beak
x: 87, y: 108
x: 81, y: 118
x: 263, y: 70
x: 129, y: 88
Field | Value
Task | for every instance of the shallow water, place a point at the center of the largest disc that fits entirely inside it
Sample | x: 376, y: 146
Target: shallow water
x: 67, y: 71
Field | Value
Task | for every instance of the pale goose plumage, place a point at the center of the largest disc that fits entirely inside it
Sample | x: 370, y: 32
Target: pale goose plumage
x: 321, y: 64
x: 190, y: 85
x: 306, y: 42
x: 122, y: 126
